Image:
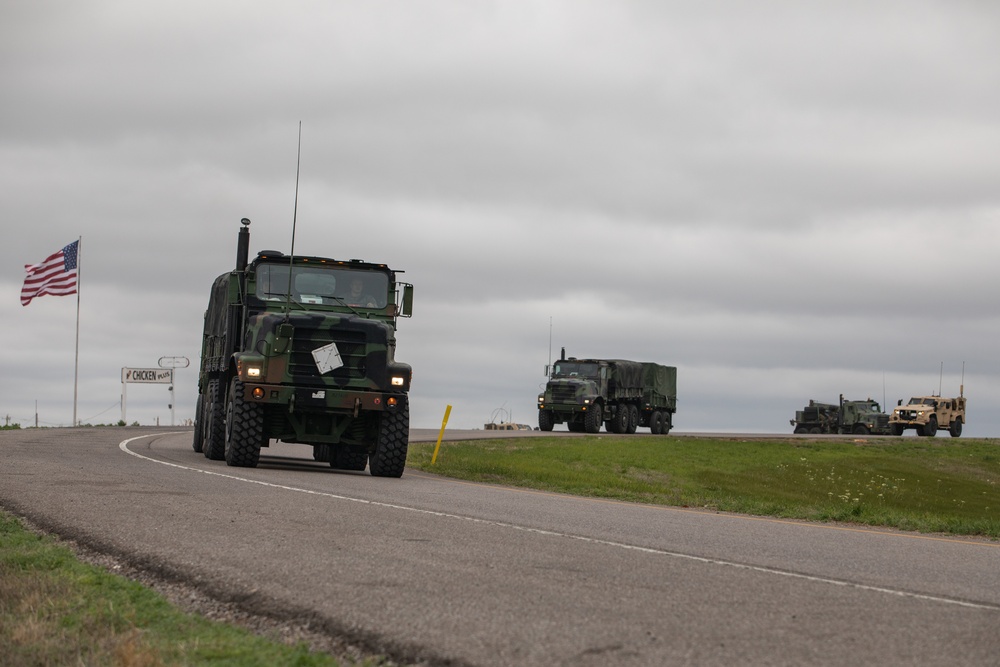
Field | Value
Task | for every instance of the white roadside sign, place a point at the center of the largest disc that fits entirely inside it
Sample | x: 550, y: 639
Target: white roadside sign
x: 148, y: 375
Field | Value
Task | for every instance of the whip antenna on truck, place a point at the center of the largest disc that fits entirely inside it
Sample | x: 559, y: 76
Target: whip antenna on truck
x: 295, y: 215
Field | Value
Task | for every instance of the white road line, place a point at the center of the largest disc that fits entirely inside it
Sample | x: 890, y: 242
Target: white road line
x: 580, y: 538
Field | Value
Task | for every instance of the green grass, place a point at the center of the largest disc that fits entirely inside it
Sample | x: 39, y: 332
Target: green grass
x: 55, y: 610
x: 921, y: 484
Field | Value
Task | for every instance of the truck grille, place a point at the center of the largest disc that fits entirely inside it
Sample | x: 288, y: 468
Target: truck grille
x: 350, y: 345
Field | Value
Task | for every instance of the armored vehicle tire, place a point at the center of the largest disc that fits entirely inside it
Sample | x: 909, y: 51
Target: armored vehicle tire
x: 930, y: 429
x: 860, y: 429
x: 244, y: 429
x: 199, y: 437
x: 391, y: 442
x: 593, y: 419
x: 214, y: 443
x: 349, y: 458
x: 633, y: 418
x: 656, y: 422
x: 896, y: 429
x: 800, y: 429
x: 545, y: 420
x: 815, y: 430
x: 321, y: 453
x: 955, y: 429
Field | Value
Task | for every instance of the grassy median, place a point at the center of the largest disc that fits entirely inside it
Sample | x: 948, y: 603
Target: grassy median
x: 943, y: 485
x: 55, y: 610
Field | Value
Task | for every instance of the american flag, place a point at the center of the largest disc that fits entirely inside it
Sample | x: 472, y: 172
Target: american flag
x: 55, y: 275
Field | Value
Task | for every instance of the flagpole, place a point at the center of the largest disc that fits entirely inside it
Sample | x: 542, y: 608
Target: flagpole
x: 76, y: 361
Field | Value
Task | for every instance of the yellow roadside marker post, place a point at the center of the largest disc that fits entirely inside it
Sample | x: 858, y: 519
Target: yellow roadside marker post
x: 447, y: 412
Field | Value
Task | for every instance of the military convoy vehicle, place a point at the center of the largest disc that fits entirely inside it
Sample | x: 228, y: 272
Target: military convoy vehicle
x: 302, y: 349
x: 586, y: 393
x: 927, y: 414
x: 857, y: 417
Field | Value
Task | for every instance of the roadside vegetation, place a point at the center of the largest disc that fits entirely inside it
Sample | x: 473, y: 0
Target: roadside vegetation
x: 944, y: 485
x: 55, y: 610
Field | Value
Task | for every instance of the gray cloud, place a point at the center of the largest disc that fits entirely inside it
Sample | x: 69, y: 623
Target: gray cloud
x: 786, y: 201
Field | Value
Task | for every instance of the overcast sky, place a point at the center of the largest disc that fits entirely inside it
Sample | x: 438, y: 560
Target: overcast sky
x: 785, y: 200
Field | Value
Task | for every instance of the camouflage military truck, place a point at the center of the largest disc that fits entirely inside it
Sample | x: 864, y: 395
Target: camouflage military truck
x: 857, y: 417
x: 301, y: 349
x: 927, y: 414
x: 586, y: 393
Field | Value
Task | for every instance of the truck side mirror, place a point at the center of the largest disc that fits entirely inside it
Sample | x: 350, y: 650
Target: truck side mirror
x: 899, y: 402
x: 407, y: 307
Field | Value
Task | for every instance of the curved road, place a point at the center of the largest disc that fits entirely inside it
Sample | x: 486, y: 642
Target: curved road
x: 427, y: 568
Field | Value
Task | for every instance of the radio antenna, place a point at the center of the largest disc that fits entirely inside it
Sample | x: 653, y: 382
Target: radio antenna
x: 295, y: 215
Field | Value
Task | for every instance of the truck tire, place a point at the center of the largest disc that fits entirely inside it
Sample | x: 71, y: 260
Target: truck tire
x: 955, y: 430
x: 391, y: 442
x: 800, y: 429
x: 199, y: 436
x: 349, y: 458
x: 619, y: 422
x: 667, y: 424
x: 244, y: 429
x: 633, y: 418
x: 593, y: 419
x: 860, y: 429
x: 896, y: 429
x: 545, y: 420
x: 214, y: 444
x: 321, y: 453
x: 656, y: 422
x: 930, y: 429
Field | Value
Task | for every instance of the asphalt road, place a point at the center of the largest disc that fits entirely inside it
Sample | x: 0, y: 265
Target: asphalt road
x: 450, y: 572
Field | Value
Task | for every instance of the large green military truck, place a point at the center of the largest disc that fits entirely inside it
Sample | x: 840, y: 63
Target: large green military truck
x: 857, y: 417
x: 586, y: 393
x: 302, y: 349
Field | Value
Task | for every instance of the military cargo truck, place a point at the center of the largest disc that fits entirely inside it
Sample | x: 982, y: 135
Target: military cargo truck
x: 302, y: 349
x: 926, y: 414
x: 586, y: 393
x: 857, y: 417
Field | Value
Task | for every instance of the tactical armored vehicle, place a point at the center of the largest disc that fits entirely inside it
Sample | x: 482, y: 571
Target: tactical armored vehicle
x: 302, y: 349
x: 857, y: 417
x: 927, y: 414
x: 586, y: 393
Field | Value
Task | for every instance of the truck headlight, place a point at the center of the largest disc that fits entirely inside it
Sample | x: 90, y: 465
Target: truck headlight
x: 541, y: 398
x: 398, y: 381
x: 253, y: 371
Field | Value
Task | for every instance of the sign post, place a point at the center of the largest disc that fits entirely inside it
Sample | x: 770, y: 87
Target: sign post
x: 172, y: 363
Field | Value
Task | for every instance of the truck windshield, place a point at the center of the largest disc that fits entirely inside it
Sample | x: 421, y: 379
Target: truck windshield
x: 322, y: 285
x: 575, y: 368
x: 921, y: 401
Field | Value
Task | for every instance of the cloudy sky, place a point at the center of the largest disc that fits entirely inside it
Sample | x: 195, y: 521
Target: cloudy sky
x: 785, y: 200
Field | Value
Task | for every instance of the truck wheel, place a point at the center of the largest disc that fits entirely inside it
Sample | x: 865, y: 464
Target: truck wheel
x: 860, y: 429
x: 393, y: 438
x: 199, y: 437
x: 655, y: 422
x: 800, y: 429
x: 214, y: 442
x: 321, y: 453
x: 244, y: 428
x: 619, y: 420
x: 593, y: 419
x: 930, y: 429
x: 955, y: 429
x: 633, y: 418
x: 896, y: 429
x: 666, y: 424
x: 545, y: 420
x: 349, y: 458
